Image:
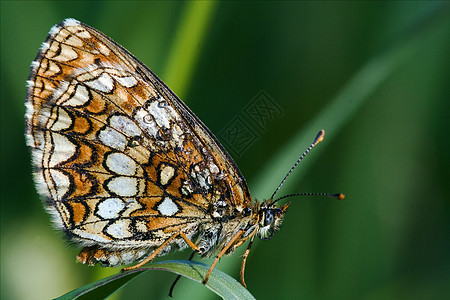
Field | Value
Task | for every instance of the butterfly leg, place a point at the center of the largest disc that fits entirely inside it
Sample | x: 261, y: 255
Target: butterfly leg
x: 189, y: 242
x: 157, y: 250
x: 244, y: 260
x: 224, y: 250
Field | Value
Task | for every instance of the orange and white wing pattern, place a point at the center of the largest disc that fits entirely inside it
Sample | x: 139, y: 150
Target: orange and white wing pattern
x: 121, y: 162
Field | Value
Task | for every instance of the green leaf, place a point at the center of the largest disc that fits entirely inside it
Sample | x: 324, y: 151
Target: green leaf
x: 102, y: 288
x: 219, y: 282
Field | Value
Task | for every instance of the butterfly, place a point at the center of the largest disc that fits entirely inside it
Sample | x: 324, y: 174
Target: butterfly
x: 124, y: 167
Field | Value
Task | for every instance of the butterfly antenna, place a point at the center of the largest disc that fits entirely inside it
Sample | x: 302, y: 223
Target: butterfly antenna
x: 318, y: 139
x: 338, y: 196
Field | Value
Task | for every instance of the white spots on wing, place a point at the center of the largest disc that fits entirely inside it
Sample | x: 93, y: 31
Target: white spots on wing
x: 156, y: 116
x: 160, y: 122
x: 64, y: 212
x: 67, y: 53
x: 110, y: 208
x: 104, y: 83
x: 79, y: 98
x: 83, y: 34
x: 91, y: 232
x: 167, y: 207
x: 166, y: 174
x: 73, y: 40
x: 120, y: 229
x: 63, y: 149
x: 63, y: 120
x: 214, y: 169
x: 128, y: 81
x: 112, y: 138
x: 202, y: 177
x: 123, y: 186
x: 61, y: 183
x: 43, y: 119
x: 160, y: 114
x: 86, y: 73
x: 177, y: 134
x: 121, y: 164
x: 219, y: 209
x: 146, y: 122
x: 203, y: 181
x: 101, y: 76
x: 131, y: 205
x: 125, y: 125
x: 103, y: 49
x: 186, y: 188
x: 60, y: 90
x: 119, y: 130
x: 141, y: 226
x: 53, y: 69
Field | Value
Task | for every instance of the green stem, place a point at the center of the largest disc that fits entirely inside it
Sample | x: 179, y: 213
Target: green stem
x: 187, y: 45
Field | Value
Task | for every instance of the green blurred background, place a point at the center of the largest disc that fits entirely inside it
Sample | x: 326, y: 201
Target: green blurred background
x: 387, y: 150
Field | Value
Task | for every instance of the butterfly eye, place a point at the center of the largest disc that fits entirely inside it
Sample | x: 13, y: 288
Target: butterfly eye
x: 266, y: 228
x: 268, y: 217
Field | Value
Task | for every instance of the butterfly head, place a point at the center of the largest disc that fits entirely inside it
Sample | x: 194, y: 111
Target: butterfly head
x: 270, y: 219
x: 271, y: 215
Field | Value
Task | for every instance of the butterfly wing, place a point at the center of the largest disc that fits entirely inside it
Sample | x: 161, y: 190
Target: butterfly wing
x: 120, y: 160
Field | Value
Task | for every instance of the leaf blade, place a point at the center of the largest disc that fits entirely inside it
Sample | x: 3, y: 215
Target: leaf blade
x: 220, y: 283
